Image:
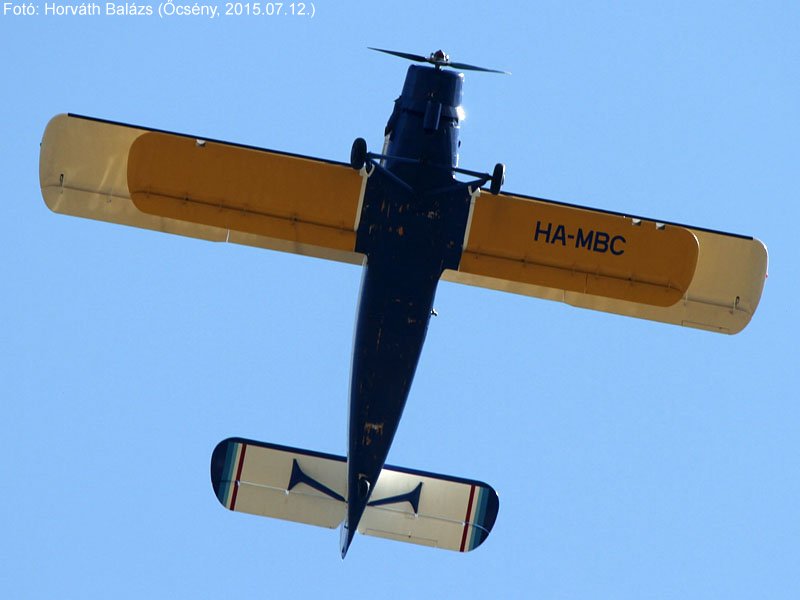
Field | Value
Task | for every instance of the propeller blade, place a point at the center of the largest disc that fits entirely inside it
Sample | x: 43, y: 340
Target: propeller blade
x: 439, y: 59
x: 414, y: 57
x: 467, y: 67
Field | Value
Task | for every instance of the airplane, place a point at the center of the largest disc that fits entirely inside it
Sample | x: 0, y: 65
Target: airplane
x: 402, y: 215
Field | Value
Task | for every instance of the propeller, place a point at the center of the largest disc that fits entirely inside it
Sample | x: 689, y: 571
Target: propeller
x: 438, y: 59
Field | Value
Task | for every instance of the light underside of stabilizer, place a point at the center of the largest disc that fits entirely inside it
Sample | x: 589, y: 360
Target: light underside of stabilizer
x: 310, y: 487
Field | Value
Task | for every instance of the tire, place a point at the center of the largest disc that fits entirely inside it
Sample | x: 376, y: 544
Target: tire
x: 358, y: 154
x: 498, y: 178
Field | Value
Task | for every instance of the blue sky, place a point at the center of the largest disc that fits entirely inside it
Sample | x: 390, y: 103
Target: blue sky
x: 632, y: 459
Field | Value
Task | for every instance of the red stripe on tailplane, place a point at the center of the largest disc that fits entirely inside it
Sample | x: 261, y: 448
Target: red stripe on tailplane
x: 466, y: 519
x: 238, y: 477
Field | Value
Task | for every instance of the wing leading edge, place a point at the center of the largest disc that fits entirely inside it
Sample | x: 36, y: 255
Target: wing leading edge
x: 200, y: 188
x: 611, y: 262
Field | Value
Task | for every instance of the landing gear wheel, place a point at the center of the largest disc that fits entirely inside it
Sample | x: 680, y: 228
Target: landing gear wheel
x: 498, y: 178
x: 358, y: 154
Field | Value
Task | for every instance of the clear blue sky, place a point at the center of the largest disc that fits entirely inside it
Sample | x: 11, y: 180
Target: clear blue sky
x: 633, y: 459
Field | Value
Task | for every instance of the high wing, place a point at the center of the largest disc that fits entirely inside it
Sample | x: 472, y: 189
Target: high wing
x: 612, y: 262
x: 310, y: 487
x: 201, y: 188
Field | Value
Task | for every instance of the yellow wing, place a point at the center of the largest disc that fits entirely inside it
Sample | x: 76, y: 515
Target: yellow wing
x: 203, y: 189
x: 611, y: 262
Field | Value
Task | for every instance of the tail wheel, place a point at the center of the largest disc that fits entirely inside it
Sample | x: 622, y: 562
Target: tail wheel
x: 498, y: 178
x: 358, y: 153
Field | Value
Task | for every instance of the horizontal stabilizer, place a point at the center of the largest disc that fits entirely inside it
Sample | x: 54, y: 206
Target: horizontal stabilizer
x: 310, y: 487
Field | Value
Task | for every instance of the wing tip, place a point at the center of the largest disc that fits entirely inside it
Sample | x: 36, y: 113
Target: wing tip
x: 486, y: 518
x: 224, y: 461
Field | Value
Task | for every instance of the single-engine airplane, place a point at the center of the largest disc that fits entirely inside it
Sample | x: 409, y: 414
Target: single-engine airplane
x: 404, y: 216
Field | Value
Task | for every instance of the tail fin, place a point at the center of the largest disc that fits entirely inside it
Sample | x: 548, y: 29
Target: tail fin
x: 310, y: 487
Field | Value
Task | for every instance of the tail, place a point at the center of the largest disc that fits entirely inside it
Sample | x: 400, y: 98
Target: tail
x: 310, y: 487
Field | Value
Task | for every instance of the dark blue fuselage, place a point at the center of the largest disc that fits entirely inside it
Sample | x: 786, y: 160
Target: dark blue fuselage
x: 411, y: 228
